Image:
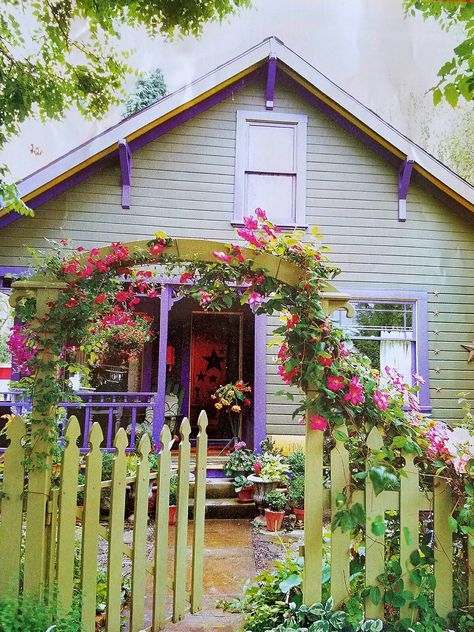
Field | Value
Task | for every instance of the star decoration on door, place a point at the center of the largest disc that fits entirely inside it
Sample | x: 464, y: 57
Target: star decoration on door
x: 470, y: 348
x: 213, y: 361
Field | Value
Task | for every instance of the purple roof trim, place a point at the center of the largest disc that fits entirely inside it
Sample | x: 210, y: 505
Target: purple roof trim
x: 271, y: 76
x: 8, y: 219
x: 404, y: 179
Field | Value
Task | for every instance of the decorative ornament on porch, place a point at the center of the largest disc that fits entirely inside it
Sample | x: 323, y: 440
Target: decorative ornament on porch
x: 470, y: 348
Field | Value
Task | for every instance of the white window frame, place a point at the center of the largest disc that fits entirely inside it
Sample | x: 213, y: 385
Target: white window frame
x: 300, y: 123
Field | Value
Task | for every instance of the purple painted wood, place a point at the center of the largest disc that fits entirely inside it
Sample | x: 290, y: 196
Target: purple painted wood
x: 404, y: 179
x: 125, y: 157
x: 110, y: 424
x: 271, y: 76
x: 260, y: 381
x: 9, y: 218
x: 147, y: 366
x: 159, y: 409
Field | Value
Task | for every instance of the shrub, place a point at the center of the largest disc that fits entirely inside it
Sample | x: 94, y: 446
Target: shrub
x: 275, y: 500
x: 296, y: 492
x: 241, y: 460
x: 81, y: 479
x: 295, y: 462
x: 31, y: 614
x: 107, y: 463
x: 173, y: 489
x: 241, y: 482
x: 271, y: 467
x: 322, y: 618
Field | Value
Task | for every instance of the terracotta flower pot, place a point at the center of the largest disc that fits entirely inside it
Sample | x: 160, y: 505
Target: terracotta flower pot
x: 274, y: 519
x: 299, y: 513
x: 246, y: 494
x: 172, y: 515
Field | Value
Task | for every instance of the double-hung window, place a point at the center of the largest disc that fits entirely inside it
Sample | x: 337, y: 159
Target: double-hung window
x: 392, y: 332
x: 270, y: 169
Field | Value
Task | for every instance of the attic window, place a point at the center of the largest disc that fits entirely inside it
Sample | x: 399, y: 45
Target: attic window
x: 270, y: 167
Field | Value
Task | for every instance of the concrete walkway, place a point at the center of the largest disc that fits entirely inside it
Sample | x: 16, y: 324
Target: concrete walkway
x: 228, y: 564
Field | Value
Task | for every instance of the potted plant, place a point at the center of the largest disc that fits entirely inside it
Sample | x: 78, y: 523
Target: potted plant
x: 244, y: 488
x: 241, y: 460
x: 296, y: 462
x: 296, y: 496
x: 270, y: 471
x: 172, y: 499
x: 275, y: 510
x: 234, y: 400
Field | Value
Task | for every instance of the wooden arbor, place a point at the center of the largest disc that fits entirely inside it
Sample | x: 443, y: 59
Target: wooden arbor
x: 46, y: 289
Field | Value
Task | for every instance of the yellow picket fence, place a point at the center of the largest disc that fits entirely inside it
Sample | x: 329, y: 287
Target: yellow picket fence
x: 171, y: 588
x: 408, y: 502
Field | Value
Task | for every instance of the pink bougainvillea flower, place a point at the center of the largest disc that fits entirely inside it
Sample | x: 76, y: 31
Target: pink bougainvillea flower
x: 236, y: 251
x: 80, y: 249
x: 395, y: 378
x: 325, y: 361
x: 413, y: 402
x: 343, y: 351
x: 270, y: 232
x: 318, y: 422
x: 250, y: 223
x: 418, y: 378
x: 222, y: 256
x: 356, y: 392
x: 87, y: 272
x: 156, y: 249
x: 100, y: 298
x: 255, y: 299
x: 260, y: 213
x: 250, y: 238
x: 292, y: 321
x: 335, y: 383
x: 152, y: 293
x: 381, y: 400
x: 121, y: 296
x: 101, y: 266
x: 186, y: 276
x: 94, y: 252
x: 205, y: 298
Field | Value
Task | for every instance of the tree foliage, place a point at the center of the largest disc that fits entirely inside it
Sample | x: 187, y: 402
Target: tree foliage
x: 456, y: 148
x: 149, y: 88
x: 456, y: 76
x: 48, y: 66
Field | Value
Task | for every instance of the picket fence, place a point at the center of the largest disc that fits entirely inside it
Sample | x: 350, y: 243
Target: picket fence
x: 67, y: 523
x: 408, y: 502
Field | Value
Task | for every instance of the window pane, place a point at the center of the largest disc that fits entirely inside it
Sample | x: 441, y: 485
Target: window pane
x: 275, y: 194
x: 271, y: 147
x: 379, y: 320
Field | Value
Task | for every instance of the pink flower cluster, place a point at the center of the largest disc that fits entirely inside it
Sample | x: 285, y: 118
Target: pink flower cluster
x: 23, y: 348
x: 454, y: 446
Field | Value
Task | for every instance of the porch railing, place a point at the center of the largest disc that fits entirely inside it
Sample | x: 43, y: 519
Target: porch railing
x: 111, y: 410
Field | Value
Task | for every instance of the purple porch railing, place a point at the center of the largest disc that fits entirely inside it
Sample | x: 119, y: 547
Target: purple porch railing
x: 111, y: 410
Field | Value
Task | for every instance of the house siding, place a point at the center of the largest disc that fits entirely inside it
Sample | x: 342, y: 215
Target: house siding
x: 183, y: 183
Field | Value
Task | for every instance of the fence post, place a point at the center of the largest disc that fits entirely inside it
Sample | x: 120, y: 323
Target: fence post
x: 313, y: 523
x: 409, y: 525
x: 198, y: 515
x: 443, y: 551
x: 44, y: 291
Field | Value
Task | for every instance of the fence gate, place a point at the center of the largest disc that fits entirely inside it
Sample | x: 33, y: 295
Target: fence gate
x: 163, y: 586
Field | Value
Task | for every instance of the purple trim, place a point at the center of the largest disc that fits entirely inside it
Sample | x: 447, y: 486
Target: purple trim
x: 270, y: 89
x: 147, y: 366
x: 9, y: 218
x: 259, y: 388
x: 125, y: 157
x: 331, y: 113
x: 420, y: 327
x: 160, y: 399
x: 404, y: 178
x: 13, y: 270
x: 194, y: 110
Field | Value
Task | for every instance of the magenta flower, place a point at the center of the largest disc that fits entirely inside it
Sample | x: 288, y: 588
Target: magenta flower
x: 205, y: 298
x: 260, y: 213
x: 222, y: 256
x: 418, y: 378
x: 318, y: 422
x: 335, y: 383
x: 356, y: 392
x: 250, y: 237
x: 250, y: 223
x: 254, y: 299
x: 381, y: 400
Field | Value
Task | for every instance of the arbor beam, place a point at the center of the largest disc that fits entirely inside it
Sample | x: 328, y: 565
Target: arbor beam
x: 271, y: 76
x: 125, y: 156
x: 404, y: 179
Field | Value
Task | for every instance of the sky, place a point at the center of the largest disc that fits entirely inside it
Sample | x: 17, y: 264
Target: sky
x: 367, y: 47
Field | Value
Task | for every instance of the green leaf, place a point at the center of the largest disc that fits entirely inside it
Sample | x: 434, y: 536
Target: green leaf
x: 341, y: 436
x: 290, y: 582
x: 407, y: 536
x: 399, y: 442
x: 453, y: 524
x: 375, y: 595
x: 437, y: 96
x: 451, y: 94
x: 378, y: 526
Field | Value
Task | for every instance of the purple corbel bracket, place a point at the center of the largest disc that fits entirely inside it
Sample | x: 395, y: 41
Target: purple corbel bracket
x: 404, y: 179
x: 125, y: 156
x: 271, y: 76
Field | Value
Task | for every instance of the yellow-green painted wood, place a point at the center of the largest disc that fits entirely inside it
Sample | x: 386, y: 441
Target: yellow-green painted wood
x: 197, y: 575
x: 161, y: 532
x: 90, y: 528
x: 51, y: 539
x: 443, y: 553
x: 12, y: 509
x: 137, y: 604
x: 67, y: 515
x: 470, y: 565
x: 313, y: 524
x: 374, y: 545
x: 182, y: 508
x: 116, y: 523
x: 340, y: 542
x: 409, y: 525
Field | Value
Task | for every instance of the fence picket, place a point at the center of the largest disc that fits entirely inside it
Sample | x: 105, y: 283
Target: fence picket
x: 67, y: 515
x: 116, y: 524
x: 12, y: 509
x: 443, y: 553
x: 90, y: 529
x: 340, y: 542
x: 137, y: 606
x: 313, y: 524
x: 199, y: 514
x: 470, y: 569
x: 182, y: 508
x: 161, y: 531
x: 374, y: 545
x: 409, y: 524
x: 51, y: 539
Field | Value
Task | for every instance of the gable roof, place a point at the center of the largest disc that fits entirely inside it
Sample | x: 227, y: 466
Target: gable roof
x: 182, y: 105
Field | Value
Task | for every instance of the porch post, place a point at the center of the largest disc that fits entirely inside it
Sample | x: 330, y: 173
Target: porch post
x: 160, y: 398
x: 260, y: 381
